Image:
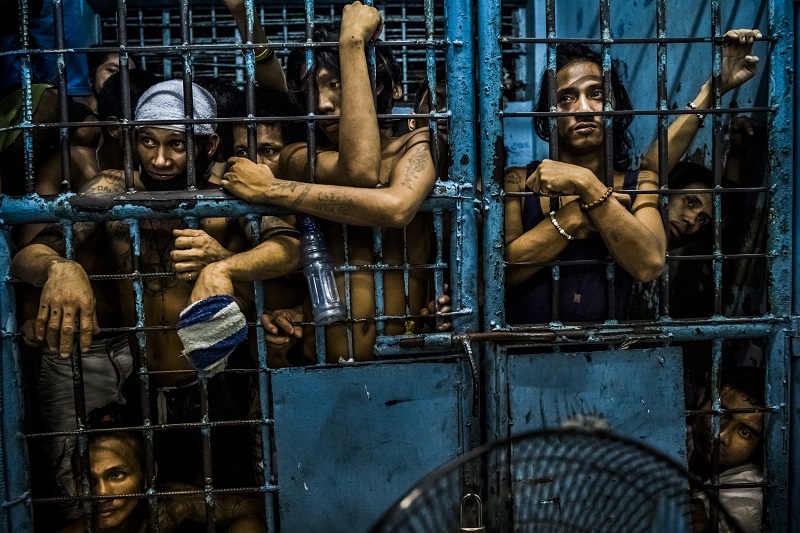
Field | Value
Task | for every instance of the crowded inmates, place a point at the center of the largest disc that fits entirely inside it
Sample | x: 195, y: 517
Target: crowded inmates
x: 167, y: 285
x: 366, y: 178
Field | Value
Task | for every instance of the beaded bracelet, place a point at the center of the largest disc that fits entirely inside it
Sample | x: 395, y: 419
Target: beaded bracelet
x: 265, y: 55
x: 599, y: 201
x: 700, y: 116
x: 558, y: 227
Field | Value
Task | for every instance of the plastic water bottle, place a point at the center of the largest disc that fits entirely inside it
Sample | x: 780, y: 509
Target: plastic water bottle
x: 318, y: 270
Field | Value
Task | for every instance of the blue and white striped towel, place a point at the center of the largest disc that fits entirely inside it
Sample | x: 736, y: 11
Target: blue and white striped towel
x: 210, y: 329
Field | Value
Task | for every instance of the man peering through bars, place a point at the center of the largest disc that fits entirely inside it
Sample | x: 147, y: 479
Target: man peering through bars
x: 170, y: 257
x: 690, y: 214
x: 117, y: 474
x: 740, y: 449
x: 589, y: 219
x: 365, y: 179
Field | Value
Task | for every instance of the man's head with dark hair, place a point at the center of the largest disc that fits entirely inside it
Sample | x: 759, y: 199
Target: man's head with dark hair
x: 116, y: 462
x: 747, y: 381
x: 387, y: 71
x: 689, y: 215
x: 271, y: 136
x: 109, y: 101
x: 568, y: 54
x: 740, y: 433
x: 227, y: 96
x: 101, y: 66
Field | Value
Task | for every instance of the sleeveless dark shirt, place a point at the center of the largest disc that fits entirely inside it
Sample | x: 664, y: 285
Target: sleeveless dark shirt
x: 583, y: 288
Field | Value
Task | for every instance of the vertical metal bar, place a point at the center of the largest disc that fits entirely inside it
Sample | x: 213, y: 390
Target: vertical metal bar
x: 214, y: 39
x: 321, y: 356
x: 716, y: 362
x: 144, y: 375
x: 63, y: 102
x: 142, y: 40
x: 264, y: 389
x: 717, y: 156
x: 166, y: 40
x: 491, y: 139
x: 781, y: 167
x: 17, y: 512
x: 778, y: 78
x: 779, y: 430
x: 27, y: 105
x: 552, y: 89
x: 377, y: 276
x: 608, y: 137
x: 438, y: 274
x: 460, y: 56
x: 663, y: 146
x: 249, y: 85
x: 125, y: 95
x: 404, y: 49
x: 188, y: 102
x: 430, y: 70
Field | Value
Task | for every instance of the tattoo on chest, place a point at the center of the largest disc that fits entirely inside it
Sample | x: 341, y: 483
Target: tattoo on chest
x: 157, y: 242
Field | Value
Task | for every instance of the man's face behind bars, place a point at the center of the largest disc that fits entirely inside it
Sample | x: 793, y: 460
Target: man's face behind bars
x: 580, y: 89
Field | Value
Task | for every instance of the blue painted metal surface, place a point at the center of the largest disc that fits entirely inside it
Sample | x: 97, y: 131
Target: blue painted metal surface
x: 352, y: 439
x: 16, y: 511
x: 633, y: 391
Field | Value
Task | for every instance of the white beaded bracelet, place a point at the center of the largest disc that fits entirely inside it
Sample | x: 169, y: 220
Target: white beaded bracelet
x: 559, y: 228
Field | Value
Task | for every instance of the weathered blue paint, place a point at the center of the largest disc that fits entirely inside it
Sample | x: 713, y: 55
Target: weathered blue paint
x: 15, y: 511
x: 352, y: 439
x: 459, y: 59
x: 638, y: 393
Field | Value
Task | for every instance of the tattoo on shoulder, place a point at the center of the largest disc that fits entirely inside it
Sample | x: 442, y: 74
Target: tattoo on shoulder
x: 107, y: 182
x: 512, y: 176
x: 418, y: 160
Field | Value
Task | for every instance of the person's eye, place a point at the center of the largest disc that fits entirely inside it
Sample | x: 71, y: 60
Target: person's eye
x: 598, y: 95
x: 112, y: 70
x: 269, y: 151
x: 690, y: 202
x: 703, y: 219
x: 147, y: 141
x: 565, y: 98
x: 335, y: 84
x: 178, y: 145
x: 745, y: 434
x: 240, y: 152
x: 117, y: 475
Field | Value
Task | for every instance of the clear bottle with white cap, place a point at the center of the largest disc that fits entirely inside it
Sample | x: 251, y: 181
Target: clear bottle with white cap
x: 318, y: 270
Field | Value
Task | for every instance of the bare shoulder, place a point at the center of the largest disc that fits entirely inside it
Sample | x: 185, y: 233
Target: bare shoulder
x: 293, y: 160
x: 411, y: 140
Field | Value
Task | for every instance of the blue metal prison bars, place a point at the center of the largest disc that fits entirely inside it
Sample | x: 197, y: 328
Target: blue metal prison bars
x: 777, y: 327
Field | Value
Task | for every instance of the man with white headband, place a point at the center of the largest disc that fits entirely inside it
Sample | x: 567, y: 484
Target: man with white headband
x: 170, y: 256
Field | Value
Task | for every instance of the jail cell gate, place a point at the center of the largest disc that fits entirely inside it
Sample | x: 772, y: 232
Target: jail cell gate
x: 342, y: 441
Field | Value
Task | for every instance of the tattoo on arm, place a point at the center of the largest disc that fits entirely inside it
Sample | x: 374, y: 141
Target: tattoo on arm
x: 417, y: 162
x: 333, y: 202
x: 300, y: 198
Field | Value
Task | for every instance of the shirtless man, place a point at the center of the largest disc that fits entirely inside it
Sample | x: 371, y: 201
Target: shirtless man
x: 366, y: 179
x: 66, y: 294
x: 591, y: 220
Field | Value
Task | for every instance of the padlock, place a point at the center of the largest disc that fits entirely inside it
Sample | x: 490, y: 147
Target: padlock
x: 480, y: 528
